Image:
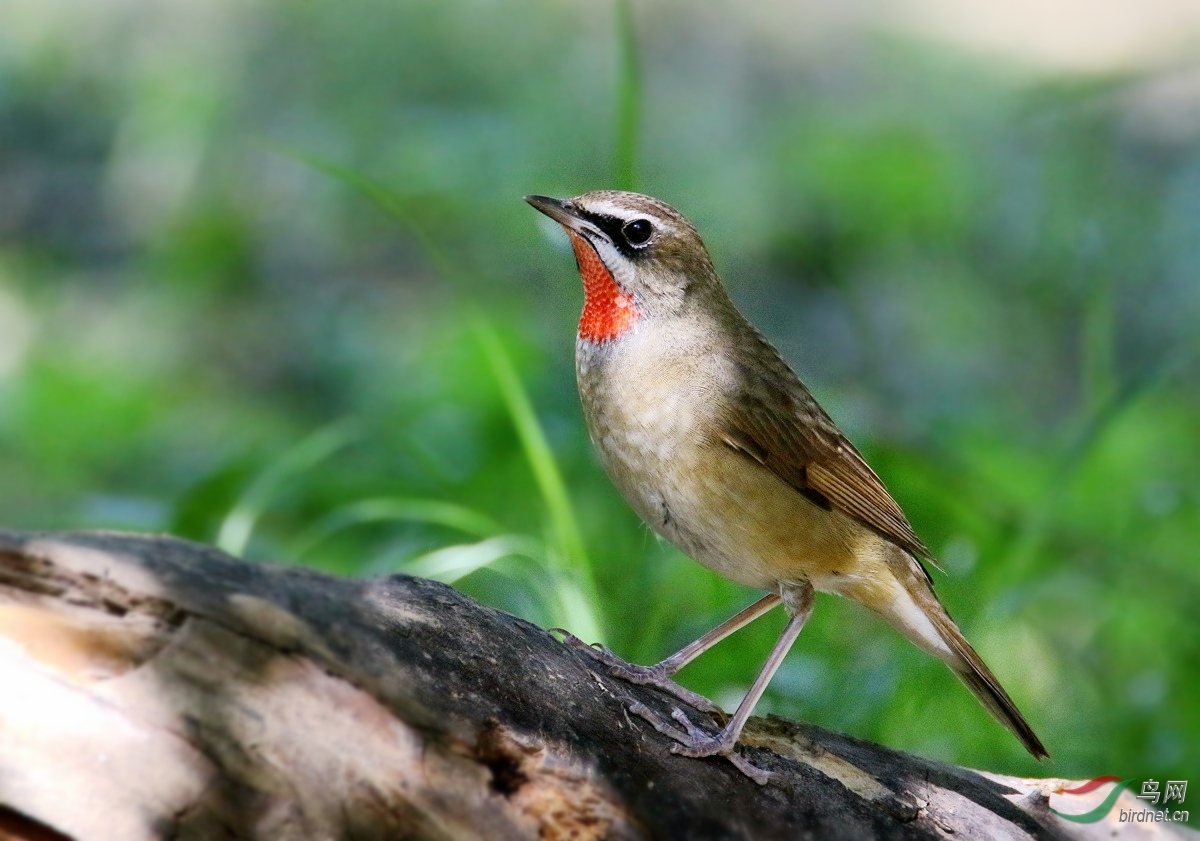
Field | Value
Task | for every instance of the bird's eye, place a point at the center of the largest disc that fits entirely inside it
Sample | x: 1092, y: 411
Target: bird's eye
x: 638, y: 231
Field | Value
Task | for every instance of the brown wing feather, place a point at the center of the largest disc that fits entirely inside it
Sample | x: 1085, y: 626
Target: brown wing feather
x: 777, y: 423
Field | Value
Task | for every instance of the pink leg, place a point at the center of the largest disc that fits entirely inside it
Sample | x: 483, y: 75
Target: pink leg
x: 695, y: 742
x: 659, y: 674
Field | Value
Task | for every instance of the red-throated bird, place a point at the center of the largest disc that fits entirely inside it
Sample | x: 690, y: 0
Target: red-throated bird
x: 721, y: 449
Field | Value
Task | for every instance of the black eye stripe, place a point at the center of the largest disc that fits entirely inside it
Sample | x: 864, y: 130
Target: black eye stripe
x: 613, y: 226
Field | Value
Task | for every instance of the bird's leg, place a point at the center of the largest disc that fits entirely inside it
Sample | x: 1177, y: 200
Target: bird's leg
x: 695, y: 742
x: 659, y: 675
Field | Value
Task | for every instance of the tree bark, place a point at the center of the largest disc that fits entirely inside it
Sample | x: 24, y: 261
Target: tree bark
x: 155, y: 688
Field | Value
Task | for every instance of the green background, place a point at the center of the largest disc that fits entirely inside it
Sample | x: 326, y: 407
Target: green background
x: 266, y: 280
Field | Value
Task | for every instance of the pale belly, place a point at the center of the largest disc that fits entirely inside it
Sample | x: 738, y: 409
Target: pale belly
x: 728, y: 513
x: 739, y: 520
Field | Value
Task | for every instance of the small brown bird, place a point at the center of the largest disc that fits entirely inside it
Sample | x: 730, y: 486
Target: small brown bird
x: 721, y: 449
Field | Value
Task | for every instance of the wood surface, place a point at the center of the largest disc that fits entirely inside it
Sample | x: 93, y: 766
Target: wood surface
x: 155, y: 688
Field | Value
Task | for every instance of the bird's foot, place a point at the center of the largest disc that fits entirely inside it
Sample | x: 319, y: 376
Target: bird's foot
x: 695, y: 743
x: 656, y: 676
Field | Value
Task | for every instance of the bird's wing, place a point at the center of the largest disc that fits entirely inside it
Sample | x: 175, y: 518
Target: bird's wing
x: 777, y: 423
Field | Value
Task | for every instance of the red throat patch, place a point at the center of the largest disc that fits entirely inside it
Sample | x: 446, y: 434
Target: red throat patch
x: 608, y: 313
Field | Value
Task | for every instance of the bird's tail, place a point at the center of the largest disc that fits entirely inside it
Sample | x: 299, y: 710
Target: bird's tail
x: 952, y: 647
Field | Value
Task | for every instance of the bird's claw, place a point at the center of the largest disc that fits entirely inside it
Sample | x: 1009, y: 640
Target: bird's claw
x: 572, y: 641
x: 695, y: 743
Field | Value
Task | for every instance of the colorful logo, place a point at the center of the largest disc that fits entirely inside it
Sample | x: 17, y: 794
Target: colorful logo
x: 1101, y: 810
x: 1175, y: 790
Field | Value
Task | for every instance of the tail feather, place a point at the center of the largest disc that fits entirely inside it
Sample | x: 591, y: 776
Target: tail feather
x: 922, y: 619
x: 984, y: 686
x: 973, y: 672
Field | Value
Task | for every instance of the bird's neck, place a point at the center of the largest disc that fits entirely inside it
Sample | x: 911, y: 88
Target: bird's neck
x: 608, y: 312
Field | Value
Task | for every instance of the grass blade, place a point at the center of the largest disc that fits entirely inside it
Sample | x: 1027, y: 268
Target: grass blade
x: 577, y: 596
x: 629, y: 98
x: 550, y: 483
x: 381, y: 197
x: 451, y: 563
x: 397, y: 509
x: 238, y: 525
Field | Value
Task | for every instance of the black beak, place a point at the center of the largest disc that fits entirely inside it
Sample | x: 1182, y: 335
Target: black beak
x: 559, y: 210
x: 564, y: 212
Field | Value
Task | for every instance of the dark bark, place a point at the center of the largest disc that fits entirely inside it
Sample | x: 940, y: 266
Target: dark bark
x: 155, y: 688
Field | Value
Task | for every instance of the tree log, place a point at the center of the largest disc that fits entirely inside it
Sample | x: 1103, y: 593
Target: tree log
x: 156, y: 688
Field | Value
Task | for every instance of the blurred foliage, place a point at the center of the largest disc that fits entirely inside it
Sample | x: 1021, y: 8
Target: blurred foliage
x: 266, y: 279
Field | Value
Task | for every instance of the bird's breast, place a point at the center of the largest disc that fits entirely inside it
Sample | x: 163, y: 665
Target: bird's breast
x: 652, y: 418
x: 644, y: 411
x: 655, y: 420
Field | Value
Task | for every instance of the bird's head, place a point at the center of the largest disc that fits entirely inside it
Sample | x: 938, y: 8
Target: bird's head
x: 639, y: 257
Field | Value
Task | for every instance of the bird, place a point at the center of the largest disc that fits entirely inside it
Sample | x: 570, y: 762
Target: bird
x: 719, y: 447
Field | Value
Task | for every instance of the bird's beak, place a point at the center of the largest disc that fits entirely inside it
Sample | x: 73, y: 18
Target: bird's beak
x: 565, y: 213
